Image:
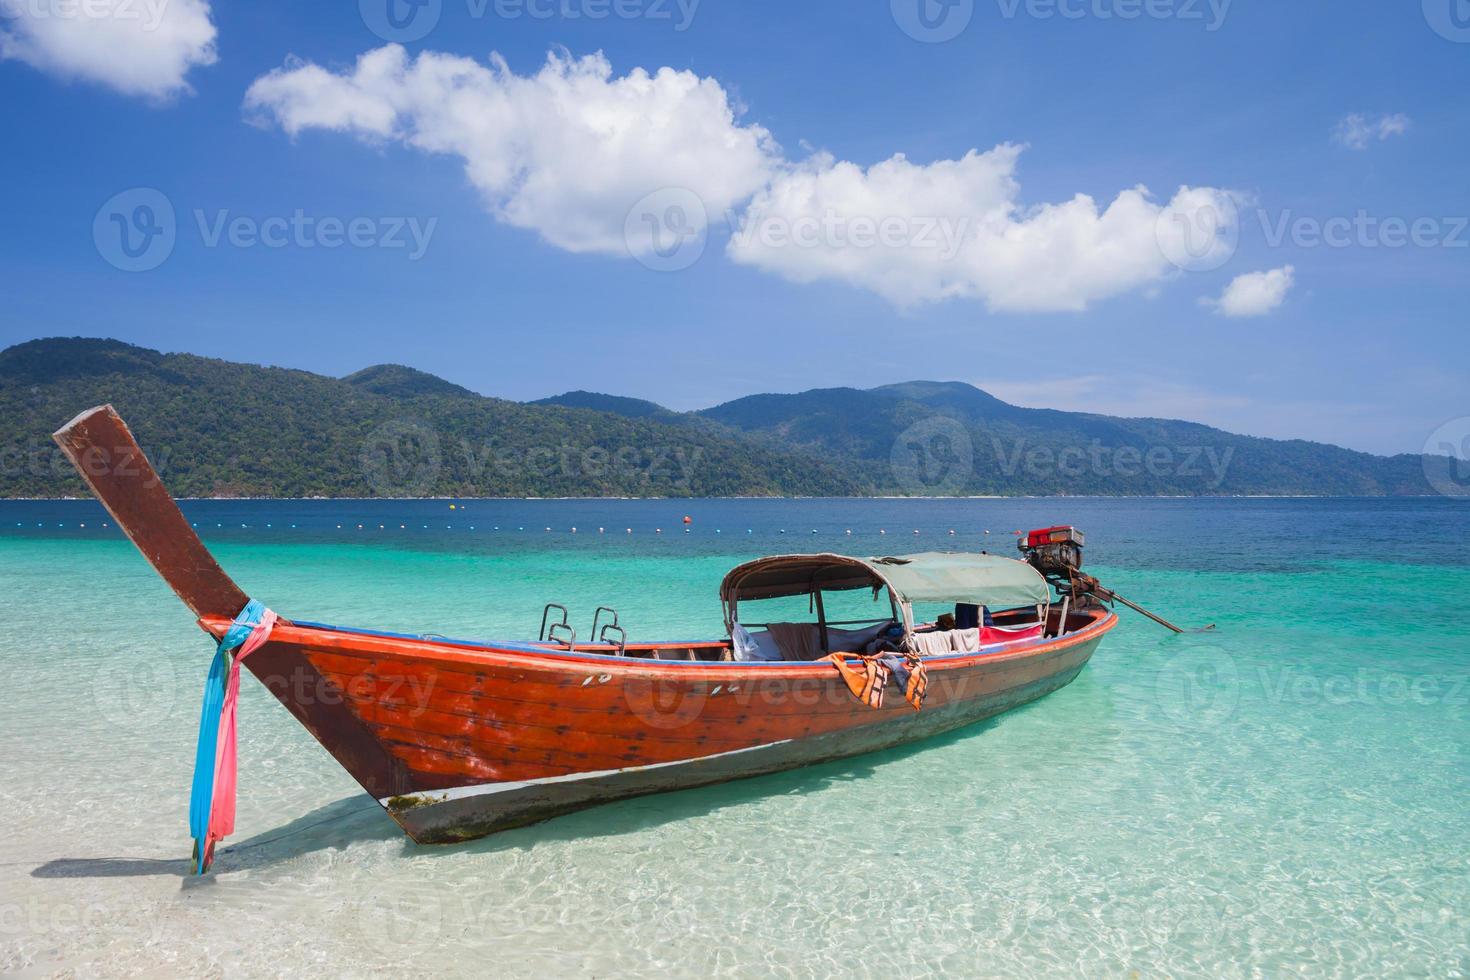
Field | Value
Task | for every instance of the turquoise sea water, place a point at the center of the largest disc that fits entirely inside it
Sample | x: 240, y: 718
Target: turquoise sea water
x: 1288, y: 795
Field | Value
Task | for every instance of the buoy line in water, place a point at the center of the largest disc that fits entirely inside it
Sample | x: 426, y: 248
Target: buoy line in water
x: 519, y: 529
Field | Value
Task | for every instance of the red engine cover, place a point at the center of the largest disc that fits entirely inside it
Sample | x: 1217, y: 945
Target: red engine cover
x: 1054, y: 535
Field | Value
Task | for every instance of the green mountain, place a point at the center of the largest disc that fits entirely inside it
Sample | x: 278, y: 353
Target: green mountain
x: 952, y: 438
x: 633, y: 408
x: 220, y: 428
x: 403, y: 382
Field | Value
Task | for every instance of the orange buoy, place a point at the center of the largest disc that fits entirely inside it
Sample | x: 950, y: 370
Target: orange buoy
x: 688, y: 519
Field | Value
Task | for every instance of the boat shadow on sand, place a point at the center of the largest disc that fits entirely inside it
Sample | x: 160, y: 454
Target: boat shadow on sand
x: 359, y: 819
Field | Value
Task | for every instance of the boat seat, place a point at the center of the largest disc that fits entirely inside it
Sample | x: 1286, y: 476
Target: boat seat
x: 752, y: 647
x: 854, y: 641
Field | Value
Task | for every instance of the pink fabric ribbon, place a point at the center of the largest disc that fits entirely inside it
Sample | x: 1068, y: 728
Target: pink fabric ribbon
x: 222, y: 810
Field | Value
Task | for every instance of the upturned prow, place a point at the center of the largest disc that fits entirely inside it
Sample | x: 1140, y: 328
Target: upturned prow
x: 103, y: 450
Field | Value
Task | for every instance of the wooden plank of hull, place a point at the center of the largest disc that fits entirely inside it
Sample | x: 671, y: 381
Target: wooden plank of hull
x: 470, y: 812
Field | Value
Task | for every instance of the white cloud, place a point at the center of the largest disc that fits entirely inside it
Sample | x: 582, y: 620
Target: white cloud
x: 139, y: 47
x: 566, y: 151
x: 1357, y: 131
x: 569, y: 150
x: 1254, y: 294
x: 956, y: 229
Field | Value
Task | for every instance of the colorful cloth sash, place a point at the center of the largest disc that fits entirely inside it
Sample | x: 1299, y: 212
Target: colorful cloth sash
x: 868, y: 678
x: 212, y: 797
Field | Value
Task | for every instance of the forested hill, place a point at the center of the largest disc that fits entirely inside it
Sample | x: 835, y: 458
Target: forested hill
x: 217, y: 428
x: 998, y: 448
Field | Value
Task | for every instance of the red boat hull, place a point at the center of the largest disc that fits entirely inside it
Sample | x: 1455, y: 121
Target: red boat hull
x: 460, y: 741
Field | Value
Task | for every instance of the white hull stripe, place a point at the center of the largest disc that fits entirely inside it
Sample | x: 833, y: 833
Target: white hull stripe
x: 489, y: 789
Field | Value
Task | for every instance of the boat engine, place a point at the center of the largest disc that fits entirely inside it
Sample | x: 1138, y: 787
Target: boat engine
x: 1055, y: 552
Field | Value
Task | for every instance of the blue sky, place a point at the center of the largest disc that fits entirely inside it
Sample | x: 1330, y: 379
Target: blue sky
x: 1325, y: 146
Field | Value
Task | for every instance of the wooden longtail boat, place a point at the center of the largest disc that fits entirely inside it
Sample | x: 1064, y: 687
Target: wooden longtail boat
x: 458, y: 739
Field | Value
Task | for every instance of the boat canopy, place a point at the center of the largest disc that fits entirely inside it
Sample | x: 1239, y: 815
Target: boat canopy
x: 987, y: 580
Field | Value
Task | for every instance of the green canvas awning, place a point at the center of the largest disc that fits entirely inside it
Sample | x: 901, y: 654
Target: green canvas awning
x: 987, y: 580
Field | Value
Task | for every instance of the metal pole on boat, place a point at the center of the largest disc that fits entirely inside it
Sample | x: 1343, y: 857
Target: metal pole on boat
x: 1110, y: 595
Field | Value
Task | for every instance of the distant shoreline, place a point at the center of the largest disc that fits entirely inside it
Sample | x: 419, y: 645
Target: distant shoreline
x: 1101, y: 496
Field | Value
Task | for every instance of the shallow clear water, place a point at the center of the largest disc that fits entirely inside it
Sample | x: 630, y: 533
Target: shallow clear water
x: 1285, y: 796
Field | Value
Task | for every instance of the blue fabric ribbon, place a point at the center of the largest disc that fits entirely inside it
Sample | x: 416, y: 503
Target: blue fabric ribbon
x: 201, y: 795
